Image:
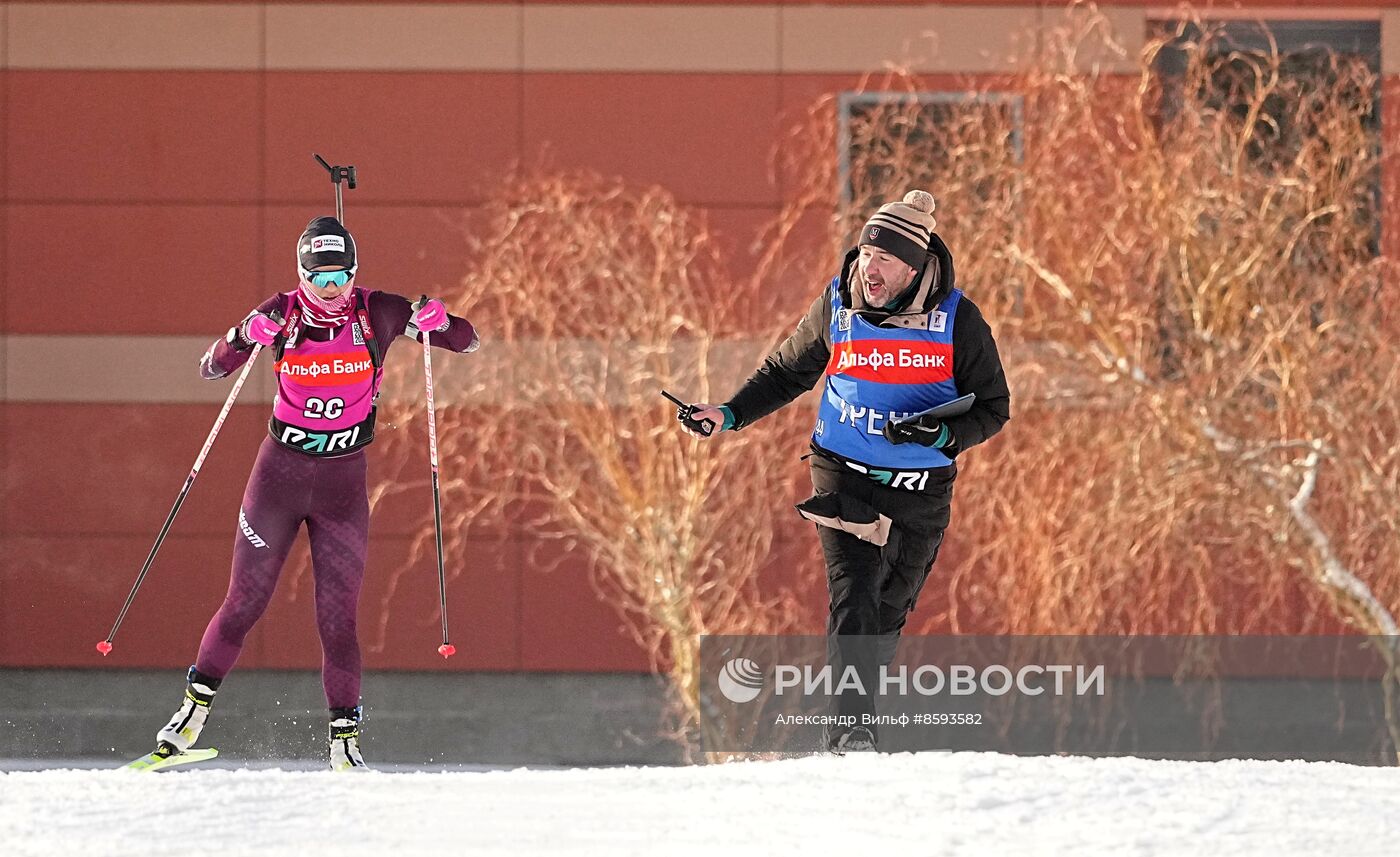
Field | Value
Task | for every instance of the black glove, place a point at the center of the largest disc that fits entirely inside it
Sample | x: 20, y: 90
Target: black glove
x: 705, y: 427
x: 925, y: 431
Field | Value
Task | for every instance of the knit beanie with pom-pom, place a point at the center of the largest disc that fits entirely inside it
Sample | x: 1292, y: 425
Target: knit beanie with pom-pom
x: 903, y: 228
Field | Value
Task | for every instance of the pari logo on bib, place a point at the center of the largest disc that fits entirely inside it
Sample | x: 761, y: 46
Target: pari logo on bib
x: 892, y: 361
x: 326, y: 370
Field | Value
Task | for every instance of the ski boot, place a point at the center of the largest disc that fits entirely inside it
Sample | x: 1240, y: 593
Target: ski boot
x: 345, y: 739
x: 184, y: 728
x: 853, y: 739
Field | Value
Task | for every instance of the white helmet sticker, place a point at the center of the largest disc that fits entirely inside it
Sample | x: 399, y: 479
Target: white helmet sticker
x: 324, y: 243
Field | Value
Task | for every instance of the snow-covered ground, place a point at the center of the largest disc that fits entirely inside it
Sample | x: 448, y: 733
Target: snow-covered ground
x: 926, y: 804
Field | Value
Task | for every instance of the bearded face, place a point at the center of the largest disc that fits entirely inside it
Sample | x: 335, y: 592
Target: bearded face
x: 885, y: 277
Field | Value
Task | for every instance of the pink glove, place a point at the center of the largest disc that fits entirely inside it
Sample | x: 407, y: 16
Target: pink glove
x: 432, y: 316
x: 260, y: 329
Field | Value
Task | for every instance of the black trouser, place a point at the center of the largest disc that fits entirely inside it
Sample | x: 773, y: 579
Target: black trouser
x: 873, y: 588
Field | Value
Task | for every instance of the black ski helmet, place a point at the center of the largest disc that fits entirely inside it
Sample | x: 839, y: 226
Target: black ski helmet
x: 325, y: 242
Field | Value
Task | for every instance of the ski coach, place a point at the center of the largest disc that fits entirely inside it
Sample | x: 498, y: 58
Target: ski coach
x: 894, y: 339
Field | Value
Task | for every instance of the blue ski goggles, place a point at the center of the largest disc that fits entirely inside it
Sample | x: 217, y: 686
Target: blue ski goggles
x: 327, y: 279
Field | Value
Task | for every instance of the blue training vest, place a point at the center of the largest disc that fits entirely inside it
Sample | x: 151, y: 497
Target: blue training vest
x: 876, y: 373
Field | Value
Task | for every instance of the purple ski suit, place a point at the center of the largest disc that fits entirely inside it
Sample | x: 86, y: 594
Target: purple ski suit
x: 311, y: 468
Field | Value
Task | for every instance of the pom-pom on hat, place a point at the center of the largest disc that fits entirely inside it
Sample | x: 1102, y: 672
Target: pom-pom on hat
x: 903, y: 228
x: 325, y: 242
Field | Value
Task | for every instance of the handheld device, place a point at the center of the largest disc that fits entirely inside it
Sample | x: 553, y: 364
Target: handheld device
x: 957, y: 407
x: 683, y: 413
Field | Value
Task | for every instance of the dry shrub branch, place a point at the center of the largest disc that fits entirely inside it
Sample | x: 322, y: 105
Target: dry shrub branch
x: 593, y: 297
x: 1181, y: 263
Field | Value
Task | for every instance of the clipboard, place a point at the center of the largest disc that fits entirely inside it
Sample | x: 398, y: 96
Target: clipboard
x: 957, y: 407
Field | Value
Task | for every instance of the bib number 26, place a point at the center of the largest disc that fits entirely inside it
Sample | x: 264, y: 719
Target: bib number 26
x: 323, y: 408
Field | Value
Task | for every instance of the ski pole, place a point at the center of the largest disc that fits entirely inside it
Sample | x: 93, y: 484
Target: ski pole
x: 106, y: 645
x: 447, y: 650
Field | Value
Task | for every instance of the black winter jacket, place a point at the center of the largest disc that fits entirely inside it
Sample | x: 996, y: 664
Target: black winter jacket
x: 800, y: 362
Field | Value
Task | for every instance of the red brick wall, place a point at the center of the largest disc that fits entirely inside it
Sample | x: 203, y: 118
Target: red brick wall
x: 161, y: 200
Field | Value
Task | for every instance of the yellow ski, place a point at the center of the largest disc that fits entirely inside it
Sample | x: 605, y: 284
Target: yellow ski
x: 166, y: 756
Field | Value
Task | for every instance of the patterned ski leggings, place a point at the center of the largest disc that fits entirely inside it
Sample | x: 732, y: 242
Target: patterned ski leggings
x: 285, y: 489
